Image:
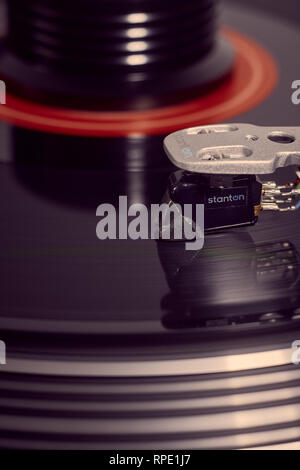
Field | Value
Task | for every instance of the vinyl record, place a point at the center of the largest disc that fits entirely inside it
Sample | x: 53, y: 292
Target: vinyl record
x: 123, y: 344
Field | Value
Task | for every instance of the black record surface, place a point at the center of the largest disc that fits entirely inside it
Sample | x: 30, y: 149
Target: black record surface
x: 126, y: 344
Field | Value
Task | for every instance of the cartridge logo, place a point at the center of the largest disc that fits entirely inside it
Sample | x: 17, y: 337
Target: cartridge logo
x: 221, y: 198
x: 184, y: 147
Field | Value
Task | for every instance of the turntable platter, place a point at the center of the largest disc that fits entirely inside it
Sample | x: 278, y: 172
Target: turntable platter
x: 135, y: 344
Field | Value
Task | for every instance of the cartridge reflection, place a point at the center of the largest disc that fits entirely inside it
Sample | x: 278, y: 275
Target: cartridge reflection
x: 230, y: 282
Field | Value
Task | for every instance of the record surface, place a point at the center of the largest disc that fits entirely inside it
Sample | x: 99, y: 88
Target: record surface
x: 126, y: 344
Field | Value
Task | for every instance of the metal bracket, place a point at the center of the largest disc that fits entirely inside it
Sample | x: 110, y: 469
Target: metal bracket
x: 234, y: 148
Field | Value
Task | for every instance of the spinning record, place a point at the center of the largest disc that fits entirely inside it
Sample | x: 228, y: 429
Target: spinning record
x: 123, y: 344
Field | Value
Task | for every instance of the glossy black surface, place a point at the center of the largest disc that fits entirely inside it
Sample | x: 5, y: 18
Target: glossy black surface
x: 57, y: 276
x: 112, y: 54
x: 229, y: 200
x: 61, y: 273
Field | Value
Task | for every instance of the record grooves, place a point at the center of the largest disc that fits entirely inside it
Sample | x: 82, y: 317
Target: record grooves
x: 123, y: 344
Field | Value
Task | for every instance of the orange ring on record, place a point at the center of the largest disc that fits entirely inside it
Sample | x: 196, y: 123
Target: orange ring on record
x: 253, y: 78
